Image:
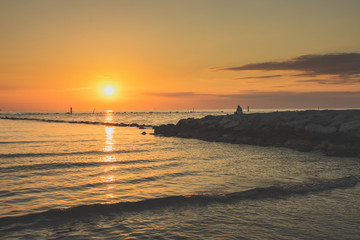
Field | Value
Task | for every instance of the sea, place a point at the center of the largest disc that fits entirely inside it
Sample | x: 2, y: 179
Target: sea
x: 105, y: 175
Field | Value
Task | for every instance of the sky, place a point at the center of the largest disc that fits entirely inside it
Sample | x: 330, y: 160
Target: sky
x: 185, y: 54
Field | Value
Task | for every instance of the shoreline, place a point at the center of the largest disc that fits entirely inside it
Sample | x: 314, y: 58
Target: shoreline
x: 332, y: 132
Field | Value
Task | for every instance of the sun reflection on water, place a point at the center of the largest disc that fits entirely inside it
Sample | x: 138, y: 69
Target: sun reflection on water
x: 110, y: 168
x: 110, y: 195
x: 109, y: 116
x: 108, y: 178
x: 109, y: 142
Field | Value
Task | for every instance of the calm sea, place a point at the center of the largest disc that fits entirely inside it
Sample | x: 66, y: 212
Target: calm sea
x: 69, y: 176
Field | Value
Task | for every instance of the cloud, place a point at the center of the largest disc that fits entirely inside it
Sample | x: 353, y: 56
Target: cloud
x: 341, y: 64
x: 7, y: 87
x: 266, y: 76
x: 290, y: 94
x: 289, y: 99
x: 341, y: 81
x: 172, y: 94
x: 273, y: 100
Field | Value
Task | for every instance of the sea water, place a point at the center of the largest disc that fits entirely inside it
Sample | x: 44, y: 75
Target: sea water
x: 73, y: 176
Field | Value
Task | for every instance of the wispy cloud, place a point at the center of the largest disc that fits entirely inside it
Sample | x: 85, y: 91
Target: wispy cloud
x: 4, y: 87
x: 275, y: 99
x: 343, y: 68
x: 261, y: 77
x: 289, y: 94
x: 172, y: 94
x: 336, y: 81
x: 343, y: 64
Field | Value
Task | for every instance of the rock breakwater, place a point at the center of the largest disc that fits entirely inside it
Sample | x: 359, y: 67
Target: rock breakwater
x: 333, y: 132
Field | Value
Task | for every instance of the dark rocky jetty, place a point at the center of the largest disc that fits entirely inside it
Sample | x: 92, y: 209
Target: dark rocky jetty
x: 333, y: 132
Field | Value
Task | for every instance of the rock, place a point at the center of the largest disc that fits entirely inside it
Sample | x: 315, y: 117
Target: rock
x: 243, y: 125
x: 336, y: 121
x: 225, y: 120
x: 316, y: 128
x: 168, y: 130
x: 351, y: 128
x: 185, y: 122
x: 230, y: 124
x: 332, y: 132
x: 298, y: 124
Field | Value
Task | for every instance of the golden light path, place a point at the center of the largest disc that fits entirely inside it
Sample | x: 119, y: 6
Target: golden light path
x: 107, y: 178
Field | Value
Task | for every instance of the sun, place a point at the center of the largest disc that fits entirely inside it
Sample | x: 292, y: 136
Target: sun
x: 109, y: 90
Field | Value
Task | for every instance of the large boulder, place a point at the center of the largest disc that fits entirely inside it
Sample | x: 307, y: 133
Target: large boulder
x: 168, y: 130
x: 351, y: 128
x: 318, y: 129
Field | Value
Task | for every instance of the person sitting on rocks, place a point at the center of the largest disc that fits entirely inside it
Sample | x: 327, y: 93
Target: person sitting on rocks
x: 239, y: 110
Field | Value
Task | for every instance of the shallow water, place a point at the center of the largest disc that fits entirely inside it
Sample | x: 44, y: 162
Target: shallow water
x: 68, y: 180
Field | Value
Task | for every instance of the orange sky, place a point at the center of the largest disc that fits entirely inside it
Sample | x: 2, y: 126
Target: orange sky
x: 165, y: 54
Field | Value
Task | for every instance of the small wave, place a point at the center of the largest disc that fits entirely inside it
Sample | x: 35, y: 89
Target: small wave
x: 256, y: 193
x: 65, y: 165
x: 44, y: 141
x: 161, y: 176
x: 47, y: 166
x: 81, y: 122
x: 32, y: 191
x: 84, y: 187
x: 46, y: 154
x: 5, y: 193
x: 23, y: 142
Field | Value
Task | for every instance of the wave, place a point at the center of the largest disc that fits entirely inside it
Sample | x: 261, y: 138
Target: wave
x: 23, y: 142
x: 47, y: 166
x: 175, y: 201
x: 65, y: 165
x: 45, y: 141
x: 80, y: 122
x: 84, y: 187
x: 47, y: 154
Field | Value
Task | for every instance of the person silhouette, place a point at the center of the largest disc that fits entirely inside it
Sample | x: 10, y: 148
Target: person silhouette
x: 239, y: 110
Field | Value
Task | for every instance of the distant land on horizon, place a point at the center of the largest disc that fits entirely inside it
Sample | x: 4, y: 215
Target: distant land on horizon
x: 225, y: 110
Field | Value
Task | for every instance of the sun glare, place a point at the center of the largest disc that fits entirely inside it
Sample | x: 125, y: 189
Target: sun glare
x: 109, y: 90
